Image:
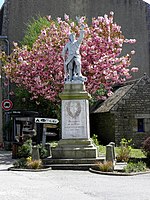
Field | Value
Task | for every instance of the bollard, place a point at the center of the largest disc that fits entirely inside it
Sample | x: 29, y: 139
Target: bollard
x: 109, y: 153
x: 35, y: 153
x: 113, y: 145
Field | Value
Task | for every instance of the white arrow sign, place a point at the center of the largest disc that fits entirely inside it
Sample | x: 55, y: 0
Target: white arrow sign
x: 46, y: 121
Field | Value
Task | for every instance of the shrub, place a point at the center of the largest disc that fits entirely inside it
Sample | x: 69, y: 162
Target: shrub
x: 34, y: 164
x: 43, y: 151
x: 34, y: 28
x: 124, y: 151
x: 28, y: 163
x: 95, y: 140
x: 107, y: 166
x: 21, y: 163
x: 26, y: 149
x: 135, y: 167
x: 146, y: 147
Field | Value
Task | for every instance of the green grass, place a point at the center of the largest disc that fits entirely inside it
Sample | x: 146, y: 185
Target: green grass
x: 135, y: 153
x: 102, y: 149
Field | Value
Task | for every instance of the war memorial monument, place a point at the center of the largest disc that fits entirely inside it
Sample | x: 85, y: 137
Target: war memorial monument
x: 75, y: 142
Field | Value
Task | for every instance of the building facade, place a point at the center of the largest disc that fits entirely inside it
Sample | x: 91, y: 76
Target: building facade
x: 126, y: 114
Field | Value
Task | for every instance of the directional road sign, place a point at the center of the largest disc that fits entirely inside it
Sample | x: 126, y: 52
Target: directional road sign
x: 46, y: 121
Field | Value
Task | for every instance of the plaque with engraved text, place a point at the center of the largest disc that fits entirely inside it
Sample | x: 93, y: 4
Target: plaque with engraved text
x: 75, y: 119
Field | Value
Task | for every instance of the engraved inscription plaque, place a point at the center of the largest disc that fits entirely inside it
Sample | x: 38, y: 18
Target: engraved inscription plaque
x: 75, y: 119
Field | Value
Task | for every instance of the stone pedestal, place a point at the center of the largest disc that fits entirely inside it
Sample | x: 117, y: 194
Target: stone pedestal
x: 75, y: 142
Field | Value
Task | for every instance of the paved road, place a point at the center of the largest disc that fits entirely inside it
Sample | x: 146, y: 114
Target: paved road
x: 69, y: 185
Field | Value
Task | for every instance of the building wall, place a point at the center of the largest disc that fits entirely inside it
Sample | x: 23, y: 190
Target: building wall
x: 133, y: 107
x: 132, y: 15
x: 129, y: 118
x: 103, y: 125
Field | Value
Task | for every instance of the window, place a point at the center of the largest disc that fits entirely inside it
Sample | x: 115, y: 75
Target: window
x: 141, y: 125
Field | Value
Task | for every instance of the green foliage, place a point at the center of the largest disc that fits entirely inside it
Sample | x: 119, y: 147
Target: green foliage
x: 107, y: 166
x: 22, y: 101
x: 100, y: 92
x: 95, y: 139
x: 43, y: 151
x: 124, y: 151
x: 22, y: 98
x: 34, y: 28
x: 135, y: 167
x: 54, y: 143
x: 102, y: 149
x: 26, y: 149
x: 146, y: 147
x: 21, y: 163
x: 28, y: 163
x: 137, y: 153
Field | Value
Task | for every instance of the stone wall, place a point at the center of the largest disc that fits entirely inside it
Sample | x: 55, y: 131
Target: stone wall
x: 133, y: 16
x: 135, y: 105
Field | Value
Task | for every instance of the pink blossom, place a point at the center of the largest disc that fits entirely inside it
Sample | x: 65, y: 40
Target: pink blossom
x: 15, y: 44
x: 40, y: 69
x: 58, y: 19
x: 72, y: 24
x: 112, y: 13
x: 66, y: 17
x: 81, y: 20
x: 49, y: 17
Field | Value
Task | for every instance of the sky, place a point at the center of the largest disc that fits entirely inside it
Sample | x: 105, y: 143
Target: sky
x: 148, y: 1
x: 2, y: 1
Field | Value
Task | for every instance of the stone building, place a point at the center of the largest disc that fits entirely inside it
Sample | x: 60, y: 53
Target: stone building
x: 126, y: 114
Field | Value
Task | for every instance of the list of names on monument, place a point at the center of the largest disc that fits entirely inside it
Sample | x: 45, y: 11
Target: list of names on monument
x: 74, y: 119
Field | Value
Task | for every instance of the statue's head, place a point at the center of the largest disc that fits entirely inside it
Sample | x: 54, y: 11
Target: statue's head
x: 72, y: 37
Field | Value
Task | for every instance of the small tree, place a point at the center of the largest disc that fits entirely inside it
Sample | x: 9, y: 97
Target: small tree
x: 40, y: 69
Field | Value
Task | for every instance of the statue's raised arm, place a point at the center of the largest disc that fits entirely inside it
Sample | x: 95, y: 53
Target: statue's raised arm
x: 72, y: 58
x: 81, y: 33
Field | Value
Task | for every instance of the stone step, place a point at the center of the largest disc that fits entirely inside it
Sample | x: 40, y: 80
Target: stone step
x: 51, y: 160
x: 119, y: 166
x: 70, y: 166
x: 75, y: 164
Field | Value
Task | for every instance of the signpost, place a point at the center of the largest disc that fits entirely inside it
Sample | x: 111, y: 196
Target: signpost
x: 45, y: 121
x: 7, y: 104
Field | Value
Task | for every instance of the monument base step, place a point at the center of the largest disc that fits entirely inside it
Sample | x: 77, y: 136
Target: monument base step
x: 72, y: 164
x: 75, y: 149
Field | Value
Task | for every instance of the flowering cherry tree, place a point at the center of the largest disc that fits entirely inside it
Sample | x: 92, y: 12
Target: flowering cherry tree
x: 40, y: 69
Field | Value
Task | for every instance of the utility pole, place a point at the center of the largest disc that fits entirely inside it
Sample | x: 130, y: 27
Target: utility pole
x: 4, y: 46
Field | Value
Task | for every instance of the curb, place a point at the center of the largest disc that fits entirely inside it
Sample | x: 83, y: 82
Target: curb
x: 28, y: 170
x: 118, y: 173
